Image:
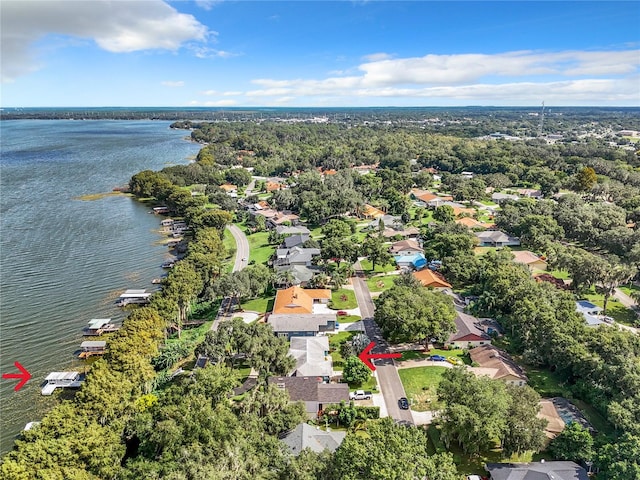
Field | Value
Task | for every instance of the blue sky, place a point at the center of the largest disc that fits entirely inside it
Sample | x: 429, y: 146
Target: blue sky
x: 312, y: 53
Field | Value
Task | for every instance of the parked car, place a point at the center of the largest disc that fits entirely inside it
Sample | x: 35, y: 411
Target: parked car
x: 403, y: 403
x: 454, y: 360
x: 359, y: 395
x: 342, y: 313
x: 438, y: 358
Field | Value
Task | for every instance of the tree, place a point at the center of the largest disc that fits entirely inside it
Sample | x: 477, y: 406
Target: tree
x: 611, y: 277
x: 574, y: 443
x: 182, y: 286
x: 376, y: 250
x: 524, y: 431
x: 386, y: 451
x: 406, y: 314
x: 585, y: 179
x: 444, y: 214
x: 355, y: 371
x: 619, y: 460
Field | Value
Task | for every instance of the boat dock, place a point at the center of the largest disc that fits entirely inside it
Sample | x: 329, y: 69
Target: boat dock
x: 62, y: 380
x: 98, y: 326
x: 133, y: 297
x: 90, y: 348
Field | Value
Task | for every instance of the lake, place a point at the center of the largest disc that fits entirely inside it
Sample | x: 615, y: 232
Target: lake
x: 64, y: 260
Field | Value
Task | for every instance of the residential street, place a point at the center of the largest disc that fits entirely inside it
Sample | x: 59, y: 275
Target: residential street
x: 241, y: 261
x: 242, y: 248
x: 388, y: 379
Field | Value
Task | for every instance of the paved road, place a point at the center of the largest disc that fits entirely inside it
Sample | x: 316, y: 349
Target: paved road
x: 241, y: 261
x: 242, y: 248
x: 388, y: 378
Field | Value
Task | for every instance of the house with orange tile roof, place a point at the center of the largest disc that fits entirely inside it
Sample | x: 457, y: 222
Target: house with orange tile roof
x: 429, y: 278
x: 296, y: 300
x: 229, y: 188
x: 273, y: 186
x: 457, y: 211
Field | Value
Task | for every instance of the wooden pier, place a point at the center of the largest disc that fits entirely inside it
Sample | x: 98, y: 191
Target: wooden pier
x: 98, y: 326
x: 62, y: 380
x: 91, y: 348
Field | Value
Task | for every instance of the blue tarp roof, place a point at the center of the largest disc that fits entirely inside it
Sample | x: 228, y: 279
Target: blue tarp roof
x: 417, y: 260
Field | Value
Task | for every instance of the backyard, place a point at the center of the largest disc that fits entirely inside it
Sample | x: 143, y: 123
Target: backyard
x: 420, y: 385
x: 343, y: 299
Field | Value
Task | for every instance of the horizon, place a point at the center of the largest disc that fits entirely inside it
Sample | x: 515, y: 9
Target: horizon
x: 362, y: 54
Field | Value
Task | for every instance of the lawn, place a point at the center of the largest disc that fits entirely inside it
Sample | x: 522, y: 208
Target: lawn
x: 367, y: 267
x: 260, y: 304
x: 420, y: 385
x: 615, y: 309
x: 349, y: 319
x: 259, y: 249
x: 230, y: 246
x: 380, y: 284
x: 561, y: 274
x: 334, y: 346
x: 370, y: 385
x: 629, y: 289
x: 546, y: 383
x: 343, y: 299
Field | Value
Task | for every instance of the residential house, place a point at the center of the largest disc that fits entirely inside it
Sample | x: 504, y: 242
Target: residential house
x: 496, y: 238
x: 429, y: 278
x: 315, y: 394
x: 296, y: 240
x: 300, y: 274
x: 273, y: 186
x: 294, y: 256
x: 529, y: 192
x: 312, y: 357
x: 497, y: 364
x: 229, y: 188
x: 501, y: 197
x: 469, y: 332
x: 292, y: 230
x: 415, y: 261
x: 369, y: 211
x: 290, y: 325
x: 410, y: 232
x: 592, y: 313
x: 296, y: 300
x: 530, y: 259
x: 472, y: 223
x: 543, y: 470
x: 316, y: 440
x: 282, y: 218
x: 424, y: 197
x: 388, y: 221
x: 405, y: 247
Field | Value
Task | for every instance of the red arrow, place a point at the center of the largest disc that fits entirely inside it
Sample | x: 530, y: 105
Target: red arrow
x: 24, y: 375
x: 366, y: 357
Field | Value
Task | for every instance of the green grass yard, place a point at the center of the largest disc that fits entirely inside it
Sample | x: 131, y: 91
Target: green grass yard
x: 380, y: 284
x: 349, y: 319
x: 615, y: 309
x: 420, y: 385
x: 260, y: 304
x: 343, y: 299
x: 259, y: 249
x: 334, y: 346
x: 367, y: 267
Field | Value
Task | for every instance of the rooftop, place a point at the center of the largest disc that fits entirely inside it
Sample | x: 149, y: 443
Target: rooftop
x: 298, y: 300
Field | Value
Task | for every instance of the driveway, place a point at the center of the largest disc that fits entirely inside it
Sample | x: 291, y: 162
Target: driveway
x: 242, y: 248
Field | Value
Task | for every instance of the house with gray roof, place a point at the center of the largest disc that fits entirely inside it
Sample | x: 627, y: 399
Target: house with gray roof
x: 496, y: 238
x: 292, y: 230
x: 312, y: 391
x: 300, y: 274
x: 316, y: 440
x: 295, y: 240
x: 543, y: 470
x: 301, y: 325
x: 312, y: 357
x: 294, y: 256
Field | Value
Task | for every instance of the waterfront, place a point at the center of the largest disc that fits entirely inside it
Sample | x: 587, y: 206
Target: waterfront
x: 64, y: 260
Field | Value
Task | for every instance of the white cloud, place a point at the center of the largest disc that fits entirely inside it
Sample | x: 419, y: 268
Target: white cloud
x: 221, y: 103
x: 210, y: 92
x: 232, y: 94
x: 201, y: 51
x: 376, y: 57
x: 169, y: 83
x: 207, y: 4
x: 117, y: 27
x: 512, y: 77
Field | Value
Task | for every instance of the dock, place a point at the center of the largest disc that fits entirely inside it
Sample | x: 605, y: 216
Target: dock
x: 92, y: 347
x: 98, y: 326
x: 62, y: 380
x: 133, y: 297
